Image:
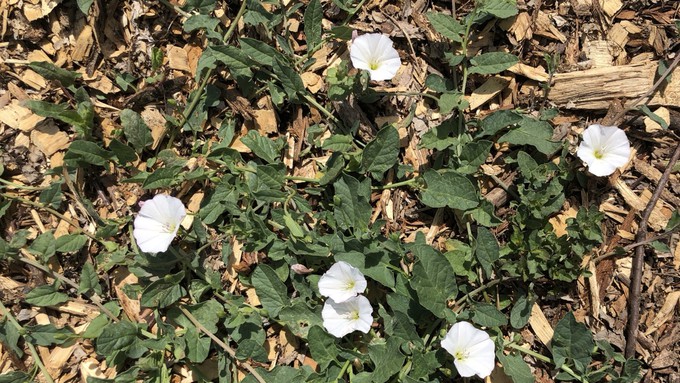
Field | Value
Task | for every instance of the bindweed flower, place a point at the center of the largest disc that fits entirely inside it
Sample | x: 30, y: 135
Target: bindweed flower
x: 472, y: 350
x: 157, y: 223
x: 375, y: 53
x: 342, y: 282
x: 604, y: 149
x: 342, y: 318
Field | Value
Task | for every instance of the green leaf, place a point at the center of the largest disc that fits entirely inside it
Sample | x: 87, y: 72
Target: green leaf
x: 117, y: 337
x: 162, y: 177
x: 290, y: 80
x: 70, y: 243
x: 272, y: 292
x: 262, y: 146
x: 449, y: 189
x: 198, y: 347
x: 352, y: 208
x: 572, y: 341
x: 44, y: 246
x: 381, y: 153
x: 338, y: 143
x: 433, y: 279
x: 532, y: 132
x: 45, y: 295
x: 88, y: 152
x: 163, y: 292
x: 387, y: 359
x: 322, y: 347
x: 16, y: 377
x: 61, y: 112
x: 236, y: 60
x: 400, y: 325
x: 487, y: 250
x: 206, y: 22
x: 299, y: 318
x: 47, y: 334
x: 655, y: 117
x: 498, y: 121
x: 202, y: 6
x: 473, y: 155
x: 447, y: 26
x: 515, y: 367
x: 501, y: 9
x: 136, y: 131
x: 487, y: 315
x: 53, y: 72
x: 313, y: 27
x: 10, y: 336
x: 521, y: 312
x: 89, y: 280
x: 51, y: 196
x: 249, y: 348
x: 492, y: 62
x: 122, y: 152
x: 260, y: 51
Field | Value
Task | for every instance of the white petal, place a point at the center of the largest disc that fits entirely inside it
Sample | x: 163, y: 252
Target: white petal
x: 476, y: 347
x: 340, y: 319
x: 157, y: 223
x: 601, y: 168
x: 609, y: 143
x: 375, y: 52
x: 342, y: 282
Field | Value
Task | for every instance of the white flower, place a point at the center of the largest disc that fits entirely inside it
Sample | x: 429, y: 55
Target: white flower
x: 375, y: 53
x: 342, y: 282
x: 604, y: 149
x: 342, y: 318
x: 472, y: 350
x: 157, y: 223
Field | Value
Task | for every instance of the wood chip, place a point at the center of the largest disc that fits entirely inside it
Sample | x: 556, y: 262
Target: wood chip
x: 543, y: 26
x: 490, y: 89
x: 539, y: 323
x: 665, y: 313
x: 538, y: 73
x: 178, y: 58
x: 17, y: 117
x: 652, y: 126
x: 49, y: 139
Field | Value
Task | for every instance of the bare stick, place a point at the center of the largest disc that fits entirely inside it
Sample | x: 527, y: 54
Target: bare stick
x: 639, y: 261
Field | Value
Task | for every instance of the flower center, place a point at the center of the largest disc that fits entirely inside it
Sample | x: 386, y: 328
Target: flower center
x: 460, y: 355
x: 598, y: 154
x: 354, y: 315
x: 350, y: 285
x: 169, y: 227
x: 374, y: 65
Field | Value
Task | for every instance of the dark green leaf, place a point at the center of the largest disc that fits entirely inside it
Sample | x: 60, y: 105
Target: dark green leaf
x: 655, y: 117
x: 122, y: 152
x: 352, y: 208
x: 260, y: 51
x: 47, y: 334
x: 88, y: 152
x: 487, y: 250
x: 433, y: 279
x: 89, y: 280
x: 498, y: 121
x: 473, y: 155
x: 487, y: 315
x: 44, y: 246
x: 70, y: 243
x: 45, y: 295
x: 387, y: 359
x: 532, y: 132
x: 206, y: 22
x: 516, y: 368
x: 53, y: 72
x: 290, y: 80
x: 198, y: 347
x: 263, y: 147
x: 447, y: 26
x: 136, y: 131
x: 338, y: 143
x: 449, y: 189
x: 313, y: 25
x: 162, y: 177
x: 117, y: 337
x: 492, y: 62
x: 572, y: 342
x: 381, y: 153
x: 322, y: 347
x: 61, y: 112
x: 164, y: 292
x: 501, y: 9
x: 272, y: 292
x: 16, y: 377
x: 51, y: 196
x: 521, y: 312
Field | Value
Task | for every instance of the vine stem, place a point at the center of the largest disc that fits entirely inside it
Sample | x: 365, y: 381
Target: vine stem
x: 220, y: 343
x: 393, y: 185
x: 36, y: 357
x: 544, y: 358
x: 478, y: 290
x: 343, y: 370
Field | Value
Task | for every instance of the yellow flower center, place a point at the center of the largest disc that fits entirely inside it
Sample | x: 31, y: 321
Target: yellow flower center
x: 373, y: 65
x: 598, y: 154
x: 460, y: 355
x: 350, y: 285
x: 354, y: 315
x: 170, y: 227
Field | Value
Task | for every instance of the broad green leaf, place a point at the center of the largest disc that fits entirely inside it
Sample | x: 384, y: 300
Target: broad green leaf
x: 16, y: 376
x: 61, y: 112
x: 381, y: 153
x: 206, y: 22
x: 89, y: 280
x: 53, y: 72
x: 44, y: 246
x: 250, y: 349
x: 290, y: 80
x: 10, y: 336
x: 501, y: 9
x: 401, y: 326
x: 208, y: 313
x: 352, y: 208
x: 272, y: 292
x: 378, y: 267
x: 322, y: 347
x: 117, y: 337
x: 45, y: 295
x: 572, y: 342
x: 433, y: 279
x: 198, y: 347
x: 498, y: 121
x: 70, y: 243
x: 262, y: 146
x: 387, y: 359
x: 52, y: 196
x: 487, y: 250
x: 88, y: 152
x: 521, y: 312
x: 162, y: 177
x: 237, y: 62
x: 447, y: 26
x: 299, y: 318
x: 449, y: 189
x: 532, y: 132
x: 313, y: 26
x: 515, y: 367
x: 136, y: 131
x: 450, y: 100
x: 338, y: 143
x: 487, y: 315
x: 163, y: 292
x: 122, y: 152
x: 473, y: 155
x: 202, y: 6
x: 492, y: 62
x: 47, y: 334
x: 260, y: 51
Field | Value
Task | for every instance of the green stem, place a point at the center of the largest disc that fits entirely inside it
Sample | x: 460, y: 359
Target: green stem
x: 544, y: 358
x: 12, y: 185
x: 36, y: 357
x: 303, y: 179
x: 322, y: 109
x: 343, y: 370
x: 393, y: 185
x: 478, y: 290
